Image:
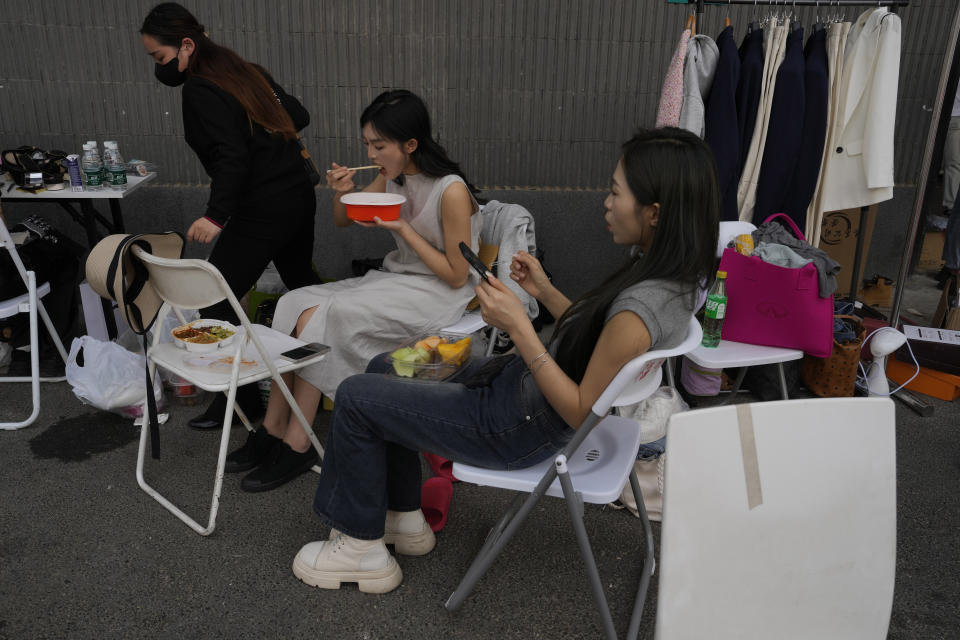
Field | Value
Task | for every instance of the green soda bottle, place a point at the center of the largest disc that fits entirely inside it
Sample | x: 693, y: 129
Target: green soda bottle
x: 714, y: 311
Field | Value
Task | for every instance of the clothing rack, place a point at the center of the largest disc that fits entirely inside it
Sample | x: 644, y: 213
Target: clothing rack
x: 950, y: 59
x: 826, y: 4
x: 864, y: 211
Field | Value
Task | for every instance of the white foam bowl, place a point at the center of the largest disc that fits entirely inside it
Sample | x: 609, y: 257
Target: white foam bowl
x: 204, y: 347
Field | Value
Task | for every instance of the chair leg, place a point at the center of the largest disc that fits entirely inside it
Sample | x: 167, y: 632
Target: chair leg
x: 736, y: 385
x: 56, y: 341
x: 497, y: 539
x: 649, y: 561
x: 575, y: 506
x: 34, y: 359
x: 221, y: 462
x: 783, y: 381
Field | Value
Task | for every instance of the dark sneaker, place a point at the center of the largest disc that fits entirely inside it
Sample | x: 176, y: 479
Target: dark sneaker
x: 281, y: 465
x: 258, y: 445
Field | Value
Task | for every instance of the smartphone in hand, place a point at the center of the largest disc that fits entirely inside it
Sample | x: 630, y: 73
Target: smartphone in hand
x: 305, y: 351
x: 474, y: 261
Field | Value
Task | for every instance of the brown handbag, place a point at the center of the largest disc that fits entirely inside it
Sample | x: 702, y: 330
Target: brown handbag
x: 835, y: 376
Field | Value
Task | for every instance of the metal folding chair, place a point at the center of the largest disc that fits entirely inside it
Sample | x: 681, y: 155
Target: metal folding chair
x: 593, y: 468
x: 779, y: 521
x: 195, y: 284
x: 29, y: 303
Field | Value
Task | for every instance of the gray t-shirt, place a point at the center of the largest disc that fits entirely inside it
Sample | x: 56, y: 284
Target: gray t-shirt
x: 664, y: 306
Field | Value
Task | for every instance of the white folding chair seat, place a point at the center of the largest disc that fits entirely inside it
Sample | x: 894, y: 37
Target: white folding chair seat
x: 593, y: 468
x: 30, y: 303
x: 729, y: 354
x: 779, y: 521
x: 195, y: 284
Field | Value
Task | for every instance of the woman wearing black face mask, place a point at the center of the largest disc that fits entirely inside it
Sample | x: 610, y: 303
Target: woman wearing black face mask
x: 243, y: 126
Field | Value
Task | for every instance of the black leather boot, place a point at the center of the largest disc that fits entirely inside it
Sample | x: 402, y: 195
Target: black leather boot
x: 258, y: 446
x: 282, y: 465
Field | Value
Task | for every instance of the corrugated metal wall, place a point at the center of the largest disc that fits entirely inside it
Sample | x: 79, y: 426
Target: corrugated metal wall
x: 524, y: 93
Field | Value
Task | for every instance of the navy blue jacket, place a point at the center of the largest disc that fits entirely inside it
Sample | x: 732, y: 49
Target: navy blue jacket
x: 784, y: 131
x: 816, y: 89
x: 748, y: 89
x: 721, y: 127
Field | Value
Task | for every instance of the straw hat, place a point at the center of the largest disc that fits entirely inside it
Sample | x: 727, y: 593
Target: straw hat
x: 116, y: 274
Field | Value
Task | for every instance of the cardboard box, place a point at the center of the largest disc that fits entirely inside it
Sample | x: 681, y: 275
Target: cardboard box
x: 931, y: 252
x: 937, y: 349
x: 838, y: 238
x: 945, y: 316
x: 929, y: 382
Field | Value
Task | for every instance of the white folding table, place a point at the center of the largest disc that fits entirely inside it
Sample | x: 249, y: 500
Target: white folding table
x: 88, y: 216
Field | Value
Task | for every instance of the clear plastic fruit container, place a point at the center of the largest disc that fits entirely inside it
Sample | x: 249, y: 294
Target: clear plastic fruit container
x: 184, y: 392
x: 431, y: 356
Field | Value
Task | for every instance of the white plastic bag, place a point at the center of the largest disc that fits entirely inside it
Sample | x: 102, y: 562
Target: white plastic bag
x: 654, y: 412
x: 270, y: 281
x: 110, y: 377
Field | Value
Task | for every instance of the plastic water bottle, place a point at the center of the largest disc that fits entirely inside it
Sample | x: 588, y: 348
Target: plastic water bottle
x: 715, y: 311
x: 116, y: 169
x: 103, y: 167
x: 90, y: 163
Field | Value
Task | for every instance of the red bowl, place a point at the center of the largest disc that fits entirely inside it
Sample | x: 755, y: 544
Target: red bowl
x: 365, y: 206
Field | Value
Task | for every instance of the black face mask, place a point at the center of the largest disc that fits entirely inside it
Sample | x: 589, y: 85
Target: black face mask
x: 169, y: 74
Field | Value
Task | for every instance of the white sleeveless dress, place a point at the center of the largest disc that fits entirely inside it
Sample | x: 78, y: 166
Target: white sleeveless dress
x: 361, y: 317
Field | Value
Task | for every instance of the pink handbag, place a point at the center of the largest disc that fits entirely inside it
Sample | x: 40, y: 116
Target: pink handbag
x: 776, y: 306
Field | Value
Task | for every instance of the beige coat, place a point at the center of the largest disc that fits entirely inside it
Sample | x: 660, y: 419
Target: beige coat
x: 859, y: 163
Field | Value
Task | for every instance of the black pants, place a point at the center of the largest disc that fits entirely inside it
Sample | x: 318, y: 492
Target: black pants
x: 281, y: 231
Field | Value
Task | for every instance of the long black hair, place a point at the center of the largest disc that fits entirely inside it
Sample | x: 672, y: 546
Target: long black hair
x: 675, y: 169
x: 400, y: 115
x: 170, y: 23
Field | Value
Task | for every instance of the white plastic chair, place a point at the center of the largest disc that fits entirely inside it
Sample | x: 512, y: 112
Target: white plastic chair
x: 195, y: 284
x: 779, y: 521
x: 593, y: 468
x: 29, y: 303
x: 730, y: 354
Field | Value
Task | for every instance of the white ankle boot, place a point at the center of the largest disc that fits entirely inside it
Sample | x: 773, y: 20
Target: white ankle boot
x: 328, y: 563
x: 407, y: 531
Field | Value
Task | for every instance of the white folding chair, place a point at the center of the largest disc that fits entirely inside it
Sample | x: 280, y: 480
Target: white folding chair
x: 779, y: 521
x: 593, y: 468
x: 730, y: 354
x: 30, y: 303
x: 195, y: 284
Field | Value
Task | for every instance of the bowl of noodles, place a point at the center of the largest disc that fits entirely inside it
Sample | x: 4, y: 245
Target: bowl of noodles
x: 204, y: 335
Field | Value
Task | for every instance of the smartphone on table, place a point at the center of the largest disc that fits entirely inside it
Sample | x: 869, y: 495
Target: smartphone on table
x: 305, y: 351
x: 474, y: 261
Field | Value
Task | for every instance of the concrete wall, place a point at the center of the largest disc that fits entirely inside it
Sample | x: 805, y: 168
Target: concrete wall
x: 533, y: 97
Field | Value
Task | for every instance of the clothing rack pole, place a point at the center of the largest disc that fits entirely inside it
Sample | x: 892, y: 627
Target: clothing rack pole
x: 949, y: 56
x: 858, y: 256
x: 806, y: 3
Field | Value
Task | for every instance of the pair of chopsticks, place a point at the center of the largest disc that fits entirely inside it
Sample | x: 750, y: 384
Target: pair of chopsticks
x: 369, y: 166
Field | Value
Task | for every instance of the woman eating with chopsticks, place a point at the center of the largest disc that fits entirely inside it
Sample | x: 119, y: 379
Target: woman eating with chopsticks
x: 425, y: 283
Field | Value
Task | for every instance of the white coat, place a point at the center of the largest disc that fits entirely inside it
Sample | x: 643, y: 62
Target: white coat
x: 859, y: 159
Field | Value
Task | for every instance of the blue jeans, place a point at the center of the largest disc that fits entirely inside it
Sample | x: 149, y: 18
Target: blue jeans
x: 381, y: 422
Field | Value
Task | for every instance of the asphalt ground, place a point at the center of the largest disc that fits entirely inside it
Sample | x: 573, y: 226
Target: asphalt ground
x: 87, y: 554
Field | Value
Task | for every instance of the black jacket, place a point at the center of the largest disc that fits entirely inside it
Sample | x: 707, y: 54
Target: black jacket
x: 247, y: 166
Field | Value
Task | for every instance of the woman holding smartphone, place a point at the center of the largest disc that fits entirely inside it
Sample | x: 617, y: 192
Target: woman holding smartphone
x: 514, y: 411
